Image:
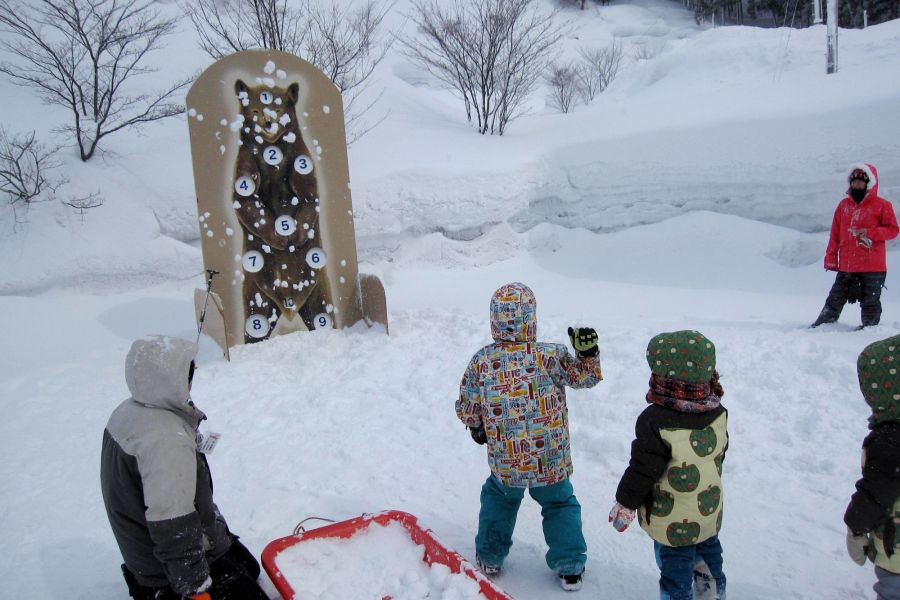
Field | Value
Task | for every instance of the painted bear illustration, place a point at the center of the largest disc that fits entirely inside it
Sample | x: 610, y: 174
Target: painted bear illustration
x: 277, y: 203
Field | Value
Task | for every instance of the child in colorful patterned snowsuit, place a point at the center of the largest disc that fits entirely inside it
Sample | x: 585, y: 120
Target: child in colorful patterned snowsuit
x: 512, y: 397
x: 674, y: 479
x: 874, y: 510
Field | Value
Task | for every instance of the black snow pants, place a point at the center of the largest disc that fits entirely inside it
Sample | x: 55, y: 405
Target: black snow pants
x: 233, y: 577
x: 853, y: 287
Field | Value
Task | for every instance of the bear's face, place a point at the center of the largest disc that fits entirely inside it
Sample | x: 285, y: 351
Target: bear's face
x: 268, y: 111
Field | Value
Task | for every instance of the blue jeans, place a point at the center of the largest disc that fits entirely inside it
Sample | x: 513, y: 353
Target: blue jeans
x: 888, y: 585
x: 676, y: 568
x: 562, y: 524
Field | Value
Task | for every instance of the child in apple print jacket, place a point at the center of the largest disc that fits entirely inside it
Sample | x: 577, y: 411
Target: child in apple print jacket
x: 673, y: 482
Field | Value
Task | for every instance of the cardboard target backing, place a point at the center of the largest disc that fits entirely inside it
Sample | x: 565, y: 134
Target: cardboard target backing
x: 273, y: 198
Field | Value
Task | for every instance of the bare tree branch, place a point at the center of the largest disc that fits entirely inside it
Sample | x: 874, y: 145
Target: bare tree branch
x: 491, y: 52
x: 84, y: 55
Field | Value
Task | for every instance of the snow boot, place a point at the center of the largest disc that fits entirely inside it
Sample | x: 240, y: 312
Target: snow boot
x: 489, y: 570
x: 571, y: 583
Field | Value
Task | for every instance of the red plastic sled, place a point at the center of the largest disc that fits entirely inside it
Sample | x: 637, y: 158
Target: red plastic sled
x: 435, y: 551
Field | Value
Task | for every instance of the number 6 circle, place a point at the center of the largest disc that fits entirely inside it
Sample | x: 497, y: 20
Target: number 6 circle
x: 303, y: 164
x: 316, y: 258
x: 257, y: 326
x: 285, y: 225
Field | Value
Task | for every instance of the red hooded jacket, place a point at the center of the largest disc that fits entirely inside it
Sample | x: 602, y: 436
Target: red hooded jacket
x: 875, y: 216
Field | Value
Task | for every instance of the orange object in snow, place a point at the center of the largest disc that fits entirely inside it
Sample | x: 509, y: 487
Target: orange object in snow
x: 435, y: 551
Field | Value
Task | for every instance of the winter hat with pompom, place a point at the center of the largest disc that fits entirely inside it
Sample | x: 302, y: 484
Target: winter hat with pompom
x: 684, y: 355
x: 878, y: 368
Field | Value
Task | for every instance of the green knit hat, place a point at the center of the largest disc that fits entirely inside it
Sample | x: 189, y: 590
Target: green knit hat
x: 683, y: 355
x: 878, y: 368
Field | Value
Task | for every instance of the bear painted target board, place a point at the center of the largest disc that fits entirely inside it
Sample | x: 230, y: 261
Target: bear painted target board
x: 273, y: 197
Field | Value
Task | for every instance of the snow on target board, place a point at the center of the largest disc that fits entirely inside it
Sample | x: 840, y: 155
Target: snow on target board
x: 382, y: 556
x: 273, y: 196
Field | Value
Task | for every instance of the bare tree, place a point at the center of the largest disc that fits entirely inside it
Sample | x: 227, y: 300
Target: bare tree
x: 343, y: 42
x: 26, y: 168
x: 598, y: 69
x: 228, y: 26
x: 563, y: 82
x: 491, y: 52
x: 346, y: 45
x: 84, y: 203
x: 83, y: 55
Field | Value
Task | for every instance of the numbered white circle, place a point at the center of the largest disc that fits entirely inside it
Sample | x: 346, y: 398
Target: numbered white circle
x: 257, y: 326
x: 303, y: 164
x: 285, y: 225
x: 316, y: 258
x: 322, y: 321
x: 244, y: 186
x: 253, y: 261
x: 266, y: 97
x: 273, y: 155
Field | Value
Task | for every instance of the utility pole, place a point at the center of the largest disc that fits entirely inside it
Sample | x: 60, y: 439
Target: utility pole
x: 831, y: 51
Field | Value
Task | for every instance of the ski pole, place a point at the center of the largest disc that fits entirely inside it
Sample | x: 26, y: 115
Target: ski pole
x: 211, y: 273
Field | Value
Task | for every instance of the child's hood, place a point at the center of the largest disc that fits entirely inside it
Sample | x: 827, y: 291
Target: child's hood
x: 514, y: 314
x: 879, y: 382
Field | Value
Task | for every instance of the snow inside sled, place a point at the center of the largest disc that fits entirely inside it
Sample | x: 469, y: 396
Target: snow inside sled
x: 386, y: 556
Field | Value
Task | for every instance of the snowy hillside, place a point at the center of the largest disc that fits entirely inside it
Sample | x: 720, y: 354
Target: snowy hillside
x: 694, y: 193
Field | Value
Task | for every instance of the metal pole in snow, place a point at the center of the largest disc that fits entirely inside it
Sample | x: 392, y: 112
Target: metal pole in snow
x: 211, y: 274
x: 831, y: 51
x: 817, y: 12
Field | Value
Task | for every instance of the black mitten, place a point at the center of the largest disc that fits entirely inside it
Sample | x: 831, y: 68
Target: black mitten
x: 584, y: 340
x: 478, y: 434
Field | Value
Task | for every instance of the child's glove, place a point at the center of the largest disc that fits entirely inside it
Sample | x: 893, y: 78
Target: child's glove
x: 478, y: 434
x: 857, y: 547
x: 584, y: 340
x: 621, y: 517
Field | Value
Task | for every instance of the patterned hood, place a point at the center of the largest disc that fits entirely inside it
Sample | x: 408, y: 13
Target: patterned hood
x: 156, y: 371
x: 514, y: 314
x: 879, y: 381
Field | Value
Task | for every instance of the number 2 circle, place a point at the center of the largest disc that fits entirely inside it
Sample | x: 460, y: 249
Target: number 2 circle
x: 273, y: 155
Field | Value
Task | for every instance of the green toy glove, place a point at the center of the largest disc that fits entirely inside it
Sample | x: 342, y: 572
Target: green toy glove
x: 584, y: 340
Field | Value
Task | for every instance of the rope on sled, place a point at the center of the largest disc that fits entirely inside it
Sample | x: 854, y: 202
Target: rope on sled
x: 300, y: 529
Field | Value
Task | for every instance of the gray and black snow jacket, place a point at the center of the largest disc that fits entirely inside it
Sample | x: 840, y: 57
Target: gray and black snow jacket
x: 156, y: 485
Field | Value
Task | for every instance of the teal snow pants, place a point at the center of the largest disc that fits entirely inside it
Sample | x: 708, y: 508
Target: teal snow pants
x: 562, y: 524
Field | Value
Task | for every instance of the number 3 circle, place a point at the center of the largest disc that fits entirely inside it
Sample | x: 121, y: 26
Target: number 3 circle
x: 303, y: 164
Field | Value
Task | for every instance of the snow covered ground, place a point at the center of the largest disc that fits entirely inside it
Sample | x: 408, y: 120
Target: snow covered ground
x: 695, y: 193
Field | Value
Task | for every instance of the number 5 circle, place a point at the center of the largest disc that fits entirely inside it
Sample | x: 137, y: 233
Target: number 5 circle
x: 285, y: 225
x: 316, y: 258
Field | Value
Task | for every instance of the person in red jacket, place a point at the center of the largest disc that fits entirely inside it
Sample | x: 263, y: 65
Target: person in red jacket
x: 862, y: 222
